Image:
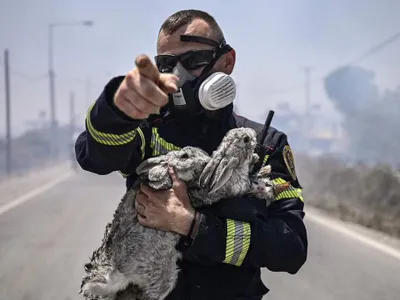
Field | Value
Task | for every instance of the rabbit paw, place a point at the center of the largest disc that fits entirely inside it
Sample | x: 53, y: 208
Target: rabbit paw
x: 265, y: 171
x: 97, y: 290
x: 254, y: 158
x: 105, y: 287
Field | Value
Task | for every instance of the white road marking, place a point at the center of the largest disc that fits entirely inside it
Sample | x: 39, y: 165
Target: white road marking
x: 333, y: 225
x: 33, y: 193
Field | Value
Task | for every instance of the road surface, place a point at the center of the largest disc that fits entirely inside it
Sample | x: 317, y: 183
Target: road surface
x: 45, y: 241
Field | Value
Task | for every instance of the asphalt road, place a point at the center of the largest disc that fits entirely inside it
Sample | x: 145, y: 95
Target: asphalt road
x: 45, y: 241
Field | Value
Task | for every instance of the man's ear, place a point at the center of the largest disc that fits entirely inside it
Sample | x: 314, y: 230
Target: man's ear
x: 229, y: 62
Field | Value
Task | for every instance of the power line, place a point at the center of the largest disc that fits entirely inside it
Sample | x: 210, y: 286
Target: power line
x: 376, y: 48
x: 23, y: 75
x: 35, y: 78
x: 373, y: 50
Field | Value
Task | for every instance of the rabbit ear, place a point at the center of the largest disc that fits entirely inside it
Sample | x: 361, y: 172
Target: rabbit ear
x: 208, y: 172
x: 146, y: 165
x: 212, y: 165
x: 222, y: 175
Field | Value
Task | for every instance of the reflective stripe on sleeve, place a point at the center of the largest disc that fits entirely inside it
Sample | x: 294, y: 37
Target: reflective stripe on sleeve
x: 109, y: 139
x: 237, y: 242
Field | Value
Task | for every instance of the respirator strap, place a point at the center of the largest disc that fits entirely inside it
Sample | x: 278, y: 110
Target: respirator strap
x: 199, y: 39
x: 221, y: 48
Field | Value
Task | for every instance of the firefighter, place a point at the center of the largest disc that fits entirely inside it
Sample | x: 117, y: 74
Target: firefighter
x: 186, y: 98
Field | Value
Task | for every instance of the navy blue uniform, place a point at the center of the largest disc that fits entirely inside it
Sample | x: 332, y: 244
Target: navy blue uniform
x: 237, y: 237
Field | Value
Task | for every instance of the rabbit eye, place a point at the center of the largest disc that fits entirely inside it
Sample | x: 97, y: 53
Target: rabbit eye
x: 185, y: 156
x: 246, y: 139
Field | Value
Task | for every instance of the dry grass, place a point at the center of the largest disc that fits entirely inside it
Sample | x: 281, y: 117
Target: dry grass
x: 367, y: 195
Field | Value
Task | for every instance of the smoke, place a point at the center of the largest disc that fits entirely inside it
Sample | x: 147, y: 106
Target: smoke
x: 371, y: 119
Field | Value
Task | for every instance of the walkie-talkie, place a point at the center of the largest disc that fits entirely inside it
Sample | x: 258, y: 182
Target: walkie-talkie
x: 260, y: 149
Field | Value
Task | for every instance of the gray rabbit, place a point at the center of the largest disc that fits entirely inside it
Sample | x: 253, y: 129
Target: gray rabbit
x: 227, y: 173
x: 133, y: 254
x: 141, y: 262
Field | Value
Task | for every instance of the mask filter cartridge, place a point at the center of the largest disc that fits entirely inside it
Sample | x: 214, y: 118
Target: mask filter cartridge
x: 217, y: 91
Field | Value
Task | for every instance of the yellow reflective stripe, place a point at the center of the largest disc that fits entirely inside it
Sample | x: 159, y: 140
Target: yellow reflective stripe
x: 108, y: 138
x: 123, y: 174
x: 265, y: 160
x: 291, y: 192
x: 143, y: 144
x: 142, y: 148
x: 237, y: 242
x: 159, y: 145
x: 246, y: 243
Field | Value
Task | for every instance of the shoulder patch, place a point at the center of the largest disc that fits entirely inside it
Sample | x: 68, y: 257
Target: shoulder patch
x: 289, y: 161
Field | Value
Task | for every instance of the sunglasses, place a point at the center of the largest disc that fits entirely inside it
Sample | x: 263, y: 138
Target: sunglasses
x: 190, y: 60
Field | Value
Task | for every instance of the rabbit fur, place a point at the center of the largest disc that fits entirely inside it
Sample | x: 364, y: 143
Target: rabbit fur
x: 132, y: 253
x: 263, y: 187
x: 137, y: 262
x: 227, y: 173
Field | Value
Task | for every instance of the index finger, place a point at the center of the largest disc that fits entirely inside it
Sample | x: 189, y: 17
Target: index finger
x: 147, y: 68
x: 176, y: 182
x: 172, y: 173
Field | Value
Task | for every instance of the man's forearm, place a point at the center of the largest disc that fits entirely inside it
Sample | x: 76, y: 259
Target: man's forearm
x: 279, y: 243
x: 107, y: 143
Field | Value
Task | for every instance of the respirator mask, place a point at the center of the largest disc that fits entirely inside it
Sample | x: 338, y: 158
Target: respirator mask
x: 206, y: 94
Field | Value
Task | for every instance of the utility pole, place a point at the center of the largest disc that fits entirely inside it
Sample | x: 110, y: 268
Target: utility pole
x: 52, y: 92
x: 53, y: 120
x: 307, y: 98
x: 72, y: 113
x: 306, y: 118
x: 8, y: 111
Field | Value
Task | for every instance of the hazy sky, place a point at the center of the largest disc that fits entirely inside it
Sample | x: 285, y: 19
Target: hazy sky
x: 273, y: 40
